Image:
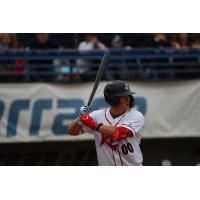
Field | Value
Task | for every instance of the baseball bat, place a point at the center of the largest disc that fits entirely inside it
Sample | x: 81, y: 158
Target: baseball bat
x: 104, y: 64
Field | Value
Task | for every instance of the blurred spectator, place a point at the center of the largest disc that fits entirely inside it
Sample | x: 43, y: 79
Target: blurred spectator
x: 42, y: 41
x: 19, y: 64
x: 42, y: 70
x: 120, y: 71
x: 5, y: 44
x: 158, y: 40
x: 90, y: 43
x: 180, y: 41
x: 195, y: 40
x: 16, y: 43
x: 9, y: 41
x: 6, y: 41
x: 118, y: 42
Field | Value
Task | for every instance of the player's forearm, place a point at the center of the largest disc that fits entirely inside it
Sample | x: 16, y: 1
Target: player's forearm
x: 115, y: 133
x: 107, y: 130
x: 74, y: 127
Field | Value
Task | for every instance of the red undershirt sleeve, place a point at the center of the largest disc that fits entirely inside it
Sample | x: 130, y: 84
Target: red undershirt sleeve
x: 121, y: 133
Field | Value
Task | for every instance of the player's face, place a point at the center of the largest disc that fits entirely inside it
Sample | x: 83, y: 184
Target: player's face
x: 124, y: 101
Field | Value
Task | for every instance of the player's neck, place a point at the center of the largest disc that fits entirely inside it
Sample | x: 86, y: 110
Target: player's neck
x: 118, y: 110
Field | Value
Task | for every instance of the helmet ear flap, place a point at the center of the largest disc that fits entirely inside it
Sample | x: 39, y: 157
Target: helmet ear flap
x: 132, y: 101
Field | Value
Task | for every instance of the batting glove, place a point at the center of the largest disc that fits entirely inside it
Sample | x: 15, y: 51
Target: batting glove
x: 85, y: 110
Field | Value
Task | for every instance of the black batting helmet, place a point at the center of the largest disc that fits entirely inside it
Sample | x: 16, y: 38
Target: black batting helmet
x: 113, y: 91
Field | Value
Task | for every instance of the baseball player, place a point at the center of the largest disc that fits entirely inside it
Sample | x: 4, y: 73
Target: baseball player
x: 117, y: 129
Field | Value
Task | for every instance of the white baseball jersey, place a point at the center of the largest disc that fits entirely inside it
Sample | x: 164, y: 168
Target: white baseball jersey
x: 128, y: 150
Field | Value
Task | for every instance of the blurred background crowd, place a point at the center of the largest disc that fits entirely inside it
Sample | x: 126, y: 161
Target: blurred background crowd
x: 92, y: 41
x: 44, y: 57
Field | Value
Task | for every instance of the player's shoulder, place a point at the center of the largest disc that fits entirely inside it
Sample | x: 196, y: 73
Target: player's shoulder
x: 135, y: 114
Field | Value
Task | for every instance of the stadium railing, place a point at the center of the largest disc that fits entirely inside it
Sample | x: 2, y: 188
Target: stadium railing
x: 72, y: 65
